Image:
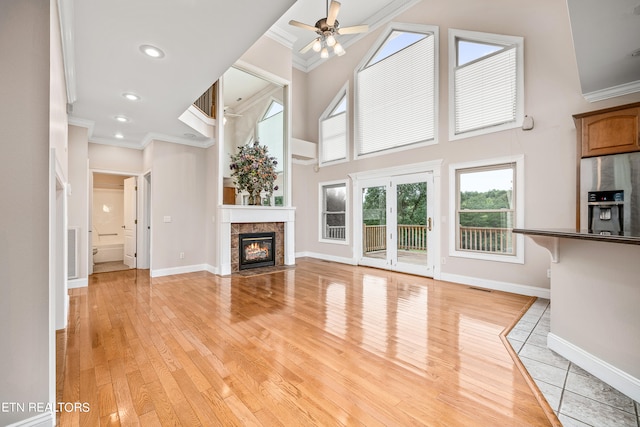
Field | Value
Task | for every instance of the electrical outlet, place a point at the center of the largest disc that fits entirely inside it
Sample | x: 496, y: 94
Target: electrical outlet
x: 548, y: 273
x: 181, y: 255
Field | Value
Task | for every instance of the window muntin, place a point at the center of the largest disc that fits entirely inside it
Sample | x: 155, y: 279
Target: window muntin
x: 397, y: 84
x: 488, y: 205
x: 486, y: 92
x: 334, y: 131
x: 333, y: 212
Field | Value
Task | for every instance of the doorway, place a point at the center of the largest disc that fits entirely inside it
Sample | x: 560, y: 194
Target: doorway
x: 396, y: 213
x: 113, y: 222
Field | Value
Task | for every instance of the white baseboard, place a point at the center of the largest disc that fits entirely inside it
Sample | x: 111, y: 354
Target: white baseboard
x: 497, y: 285
x: 45, y: 419
x: 77, y: 283
x: 325, y: 257
x: 616, y: 378
x: 178, y: 270
x: 211, y: 269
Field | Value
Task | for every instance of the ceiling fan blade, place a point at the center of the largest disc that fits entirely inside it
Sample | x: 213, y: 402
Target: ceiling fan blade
x: 302, y: 25
x: 354, y: 30
x: 333, y: 13
x: 307, y: 47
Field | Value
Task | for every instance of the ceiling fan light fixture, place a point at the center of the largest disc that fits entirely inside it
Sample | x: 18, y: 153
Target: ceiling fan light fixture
x: 331, y: 40
x: 317, y: 45
x: 324, y: 53
x: 338, y: 49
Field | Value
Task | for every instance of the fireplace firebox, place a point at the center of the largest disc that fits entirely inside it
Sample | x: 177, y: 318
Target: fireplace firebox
x: 257, y: 250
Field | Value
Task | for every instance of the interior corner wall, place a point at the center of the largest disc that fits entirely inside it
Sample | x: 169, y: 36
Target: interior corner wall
x: 178, y: 194
x: 78, y: 200
x: 552, y: 96
x: 213, y: 176
x: 25, y: 330
x: 300, y: 112
x: 270, y: 56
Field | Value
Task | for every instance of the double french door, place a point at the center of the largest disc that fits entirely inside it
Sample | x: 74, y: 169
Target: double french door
x: 396, y: 223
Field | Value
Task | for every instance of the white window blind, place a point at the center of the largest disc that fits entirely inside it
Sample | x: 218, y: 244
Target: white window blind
x: 485, y: 91
x: 334, y: 138
x: 396, y: 99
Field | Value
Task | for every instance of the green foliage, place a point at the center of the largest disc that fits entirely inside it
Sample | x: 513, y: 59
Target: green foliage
x: 412, y: 204
x: 492, y: 199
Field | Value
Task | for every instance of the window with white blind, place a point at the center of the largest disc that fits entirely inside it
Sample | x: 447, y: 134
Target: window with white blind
x: 334, y: 130
x: 486, y: 89
x: 396, y: 90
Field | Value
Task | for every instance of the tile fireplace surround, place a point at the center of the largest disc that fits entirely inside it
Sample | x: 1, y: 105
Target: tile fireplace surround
x: 244, y: 219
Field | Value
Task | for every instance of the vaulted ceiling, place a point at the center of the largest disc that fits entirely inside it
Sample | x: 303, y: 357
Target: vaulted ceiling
x: 201, y: 39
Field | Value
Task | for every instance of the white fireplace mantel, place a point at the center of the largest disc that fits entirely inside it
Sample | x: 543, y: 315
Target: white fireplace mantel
x: 232, y: 214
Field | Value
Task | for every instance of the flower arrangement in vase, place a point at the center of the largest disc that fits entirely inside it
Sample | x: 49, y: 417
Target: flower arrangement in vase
x: 254, y: 171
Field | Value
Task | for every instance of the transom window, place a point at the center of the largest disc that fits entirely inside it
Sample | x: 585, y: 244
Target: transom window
x: 397, y: 84
x: 486, y: 83
x: 333, y: 130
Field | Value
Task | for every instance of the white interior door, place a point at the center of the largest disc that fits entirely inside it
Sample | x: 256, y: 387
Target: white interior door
x: 397, y: 220
x: 130, y: 221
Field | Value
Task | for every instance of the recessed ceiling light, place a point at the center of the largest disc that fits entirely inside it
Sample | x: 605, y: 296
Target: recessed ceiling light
x: 151, y: 51
x: 122, y: 119
x: 131, y: 96
x: 119, y: 135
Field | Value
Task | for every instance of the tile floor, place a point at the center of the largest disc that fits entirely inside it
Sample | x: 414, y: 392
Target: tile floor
x: 578, y: 398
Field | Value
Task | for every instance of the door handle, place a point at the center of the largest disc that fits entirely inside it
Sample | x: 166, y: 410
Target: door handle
x: 429, y: 224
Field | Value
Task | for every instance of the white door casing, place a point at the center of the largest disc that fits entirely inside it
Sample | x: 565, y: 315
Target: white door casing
x: 130, y: 220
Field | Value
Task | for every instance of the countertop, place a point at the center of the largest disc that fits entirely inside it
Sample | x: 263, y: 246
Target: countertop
x: 569, y: 233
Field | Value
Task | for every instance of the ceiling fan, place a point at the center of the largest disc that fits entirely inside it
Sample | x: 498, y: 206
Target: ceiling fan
x: 327, y: 29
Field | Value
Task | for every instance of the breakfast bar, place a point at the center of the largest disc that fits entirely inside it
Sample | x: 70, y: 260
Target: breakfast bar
x: 595, y: 302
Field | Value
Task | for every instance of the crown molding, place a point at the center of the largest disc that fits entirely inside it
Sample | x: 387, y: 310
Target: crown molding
x: 612, y: 92
x: 281, y: 36
x: 65, y: 16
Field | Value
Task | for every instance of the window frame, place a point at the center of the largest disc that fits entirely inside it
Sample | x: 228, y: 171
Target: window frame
x: 342, y: 93
x: 402, y: 27
x: 321, y: 211
x: 493, y: 39
x: 519, y: 199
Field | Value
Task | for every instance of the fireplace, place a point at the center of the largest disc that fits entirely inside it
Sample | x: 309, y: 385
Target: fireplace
x: 256, y: 250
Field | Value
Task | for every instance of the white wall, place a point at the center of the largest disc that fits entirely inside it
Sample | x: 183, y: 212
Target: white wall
x: 78, y: 202
x: 115, y: 159
x: 24, y: 187
x: 178, y: 191
x: 552, y: 95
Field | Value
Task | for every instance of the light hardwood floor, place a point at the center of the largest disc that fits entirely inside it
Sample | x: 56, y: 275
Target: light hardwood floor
x: 322, y: 344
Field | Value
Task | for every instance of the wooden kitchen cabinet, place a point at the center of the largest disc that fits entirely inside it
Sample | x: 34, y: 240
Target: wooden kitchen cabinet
x: 610, y: 131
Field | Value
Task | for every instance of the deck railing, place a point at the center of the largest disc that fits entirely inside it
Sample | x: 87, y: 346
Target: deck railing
x: 335, y: 232
x: 486, y: 239
x: 409, y: 237
x: 414, y: 237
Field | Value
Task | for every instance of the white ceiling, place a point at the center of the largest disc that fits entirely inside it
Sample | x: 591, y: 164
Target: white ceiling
x: 203, y: 38
x: 605, y: 34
